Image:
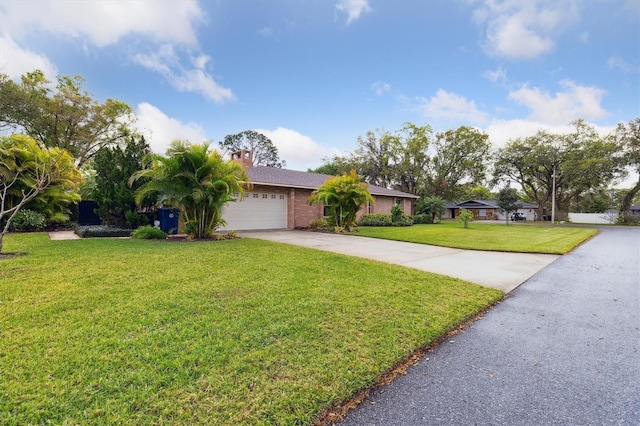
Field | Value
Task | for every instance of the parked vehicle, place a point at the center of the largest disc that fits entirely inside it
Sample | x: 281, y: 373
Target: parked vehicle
x: 518, y: 217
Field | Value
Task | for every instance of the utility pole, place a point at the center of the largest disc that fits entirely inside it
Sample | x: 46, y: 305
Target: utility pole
x: 553, y: 197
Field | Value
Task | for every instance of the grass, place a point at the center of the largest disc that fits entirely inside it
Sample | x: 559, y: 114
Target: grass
x: 113, y: 331
x: 484, y: 236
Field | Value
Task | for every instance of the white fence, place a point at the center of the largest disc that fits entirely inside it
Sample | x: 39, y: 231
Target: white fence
x: 595, y: 218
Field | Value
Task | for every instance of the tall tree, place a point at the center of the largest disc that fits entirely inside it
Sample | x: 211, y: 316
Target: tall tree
x: 531, y: 163
x: 29, y: 170
x: 628, y: 137
x: 335, y: 166
x: 508, y: 200
x: 265, y: 152
x: 461, y: 156
x: 194, y: 179
x: 395, y: 160
x: 67, y: 117
x: 577, y: 162
x: 113, y: 168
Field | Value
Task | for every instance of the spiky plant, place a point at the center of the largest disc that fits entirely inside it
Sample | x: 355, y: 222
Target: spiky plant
x: 196, y: 180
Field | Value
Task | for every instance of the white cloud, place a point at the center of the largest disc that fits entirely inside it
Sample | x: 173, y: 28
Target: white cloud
x: 616, y: 62
x: 563, y: 107
x: 451, y: 106
x: 16, y: 61
x: 103, y: 22
x: 160, y: 130
x: 353, y: 8
x: 380, y: 87
x: 299, y: 151
x: 519, y: 29
x: 502, y: 131
x: 167, y: 63
x: 497, y: 76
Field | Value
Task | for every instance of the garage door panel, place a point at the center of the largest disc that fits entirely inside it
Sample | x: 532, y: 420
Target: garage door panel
x: 264, y: 211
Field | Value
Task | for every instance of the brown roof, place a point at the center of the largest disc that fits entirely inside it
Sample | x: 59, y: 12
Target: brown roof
x: 262, y: 175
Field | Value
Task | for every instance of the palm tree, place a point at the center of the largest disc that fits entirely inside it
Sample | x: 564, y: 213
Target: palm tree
x: 196, y: 180
x: 344, y: 196
x: 435, y: 206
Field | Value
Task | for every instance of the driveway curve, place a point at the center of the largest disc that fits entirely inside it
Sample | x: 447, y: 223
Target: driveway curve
x: 562, y: 349
x: 504, y: 271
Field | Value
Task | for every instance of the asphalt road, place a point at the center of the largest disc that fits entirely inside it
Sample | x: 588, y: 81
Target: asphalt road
x: 562, y: 349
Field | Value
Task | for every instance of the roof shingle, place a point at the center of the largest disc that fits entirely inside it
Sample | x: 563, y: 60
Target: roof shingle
x: 263, y: 175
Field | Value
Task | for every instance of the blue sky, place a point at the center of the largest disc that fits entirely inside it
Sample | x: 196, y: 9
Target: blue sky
x: 313, y: 75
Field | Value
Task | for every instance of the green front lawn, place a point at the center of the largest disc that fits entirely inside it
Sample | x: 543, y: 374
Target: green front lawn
x: 113, y: 331
x: 485, y: 236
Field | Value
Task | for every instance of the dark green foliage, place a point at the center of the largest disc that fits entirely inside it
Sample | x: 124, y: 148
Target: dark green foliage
x: 434, y: 206
x: 115, y: 197
x: 384, y: 219
x: 422, y: 219
x: 149, y: 233
x: 102, y: 231
x: 376, y: 219
x: 625, y: 219
x: 28, y: 220
x: 508, y: 200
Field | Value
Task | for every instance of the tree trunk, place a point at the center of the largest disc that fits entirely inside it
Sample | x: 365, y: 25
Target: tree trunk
x: 628, y: 198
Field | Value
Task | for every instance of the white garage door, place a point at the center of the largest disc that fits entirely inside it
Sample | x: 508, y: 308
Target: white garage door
x: 257, y: 210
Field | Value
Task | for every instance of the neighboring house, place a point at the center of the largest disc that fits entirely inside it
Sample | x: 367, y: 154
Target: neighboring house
x: 635, y: 210
x: 278, y: 199
x: 488, y: 210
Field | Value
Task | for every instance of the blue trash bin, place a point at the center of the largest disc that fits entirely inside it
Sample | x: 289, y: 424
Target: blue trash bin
x: 168, y: 218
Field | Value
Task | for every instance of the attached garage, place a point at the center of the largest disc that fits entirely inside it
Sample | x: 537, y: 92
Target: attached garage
x: 257, y: 210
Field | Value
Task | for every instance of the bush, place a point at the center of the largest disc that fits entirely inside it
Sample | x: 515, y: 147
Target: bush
x: 421, y: 219
x: 376, y: 219
x: 624, y: 219
x: 149, y: 233
x: 383, y: 219
x: 28, y: 220
x: 319, y: 224
x: 135, y: 219
x: 102, y: 231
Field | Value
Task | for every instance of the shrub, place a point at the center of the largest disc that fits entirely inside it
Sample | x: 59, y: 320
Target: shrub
x: 135, y: 219
x: 101, y: 231
x: 149, y: 232
x: 376, y: 219
x: 28, y: 220
x: 319, y: 224
x: 421, y: 219
x: 383, y: 219
x: 624, y: 219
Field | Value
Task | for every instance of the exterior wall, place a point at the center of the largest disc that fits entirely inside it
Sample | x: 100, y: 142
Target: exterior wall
x: 490, y: 214
x: 299, y: 212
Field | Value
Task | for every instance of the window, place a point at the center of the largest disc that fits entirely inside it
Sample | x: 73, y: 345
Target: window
x: 370, y: 208
x: 265, y: 195
x: 325, y: 211
x: 482, y: 212
x: 273, y: 196
x: 282, y: 197
x: 256, y: 195
x: 398, y: 201
x: 236, y: 195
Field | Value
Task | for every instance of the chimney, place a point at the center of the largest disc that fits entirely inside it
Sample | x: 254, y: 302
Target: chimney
x: 244, y: 157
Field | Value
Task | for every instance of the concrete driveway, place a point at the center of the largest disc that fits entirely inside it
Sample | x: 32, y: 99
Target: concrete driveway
x: 504, y: 271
